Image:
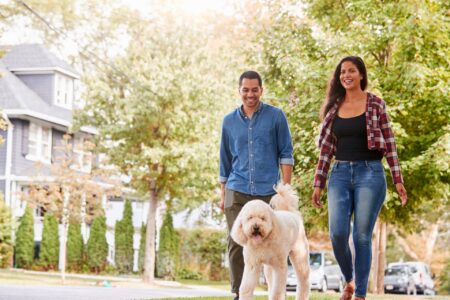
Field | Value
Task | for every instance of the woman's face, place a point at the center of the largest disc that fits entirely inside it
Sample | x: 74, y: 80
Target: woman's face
x: 350, y: 76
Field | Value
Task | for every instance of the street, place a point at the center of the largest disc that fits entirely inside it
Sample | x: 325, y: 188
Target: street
x: 30, y: 292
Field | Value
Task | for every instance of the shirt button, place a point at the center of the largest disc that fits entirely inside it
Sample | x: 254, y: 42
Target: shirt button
x: 250, y: 128
x: 251, y: 142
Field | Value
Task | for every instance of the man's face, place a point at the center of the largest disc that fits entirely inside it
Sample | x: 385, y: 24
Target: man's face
x: 250, y: 92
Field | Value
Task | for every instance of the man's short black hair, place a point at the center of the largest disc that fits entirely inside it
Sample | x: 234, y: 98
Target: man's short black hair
x: 250, y: 75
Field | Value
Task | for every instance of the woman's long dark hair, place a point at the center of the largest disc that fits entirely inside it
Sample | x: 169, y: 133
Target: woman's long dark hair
x: 335, y: 90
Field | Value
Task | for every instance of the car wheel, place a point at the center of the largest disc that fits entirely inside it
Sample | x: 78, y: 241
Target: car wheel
x: 324, y: 286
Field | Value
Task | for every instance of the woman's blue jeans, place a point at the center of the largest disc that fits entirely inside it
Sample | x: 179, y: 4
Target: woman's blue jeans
x: 355, y: 188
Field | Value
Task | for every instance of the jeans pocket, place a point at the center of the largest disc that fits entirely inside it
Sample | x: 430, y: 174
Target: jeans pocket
x: 376, y: 167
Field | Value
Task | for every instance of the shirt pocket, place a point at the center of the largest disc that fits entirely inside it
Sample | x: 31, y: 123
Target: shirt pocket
x: 264, y: 136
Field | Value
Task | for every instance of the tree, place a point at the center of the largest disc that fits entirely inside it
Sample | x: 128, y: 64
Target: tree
x: 75, y: 246
x: 161, y: 122
x: 169, y: 249
x: 6, y: 228
x: 97, y: 247
x: 405, y: 46
x: 49, y: 248
x: 124, y: 232
x: 25, y: 240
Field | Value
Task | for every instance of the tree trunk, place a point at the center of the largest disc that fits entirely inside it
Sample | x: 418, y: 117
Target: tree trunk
x: 149, y: 262
x: 430, y: 242
x: 381, y: 259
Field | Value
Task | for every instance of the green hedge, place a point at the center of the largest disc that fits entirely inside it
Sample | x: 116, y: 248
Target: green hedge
x: 25, y: 240
x: 49, y: 248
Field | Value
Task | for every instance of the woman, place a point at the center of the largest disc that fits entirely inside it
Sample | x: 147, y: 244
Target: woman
x: 356, y: 130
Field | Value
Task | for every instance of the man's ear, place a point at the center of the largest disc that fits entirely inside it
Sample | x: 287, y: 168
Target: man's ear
x: 237, y: 232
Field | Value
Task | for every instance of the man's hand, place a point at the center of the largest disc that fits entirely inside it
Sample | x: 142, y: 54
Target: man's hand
x: 316, y: 197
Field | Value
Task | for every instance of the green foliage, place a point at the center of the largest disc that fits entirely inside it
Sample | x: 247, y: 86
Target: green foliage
x: 203, y: 250
x: 49, y: 248
x: 97, y: 247
x: 444, y: 279
x: 169, y: 249
x: 75, y: 247
x: 123, y: 233
x: 142, y: 248
x: 406, y: 51
x: 6, y: 244
x: 25, y: 240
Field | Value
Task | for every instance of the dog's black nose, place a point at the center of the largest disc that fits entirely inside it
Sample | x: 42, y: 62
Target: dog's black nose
x: 255, y: 227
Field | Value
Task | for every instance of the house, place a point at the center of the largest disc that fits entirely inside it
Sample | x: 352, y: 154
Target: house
x: 38, y: 92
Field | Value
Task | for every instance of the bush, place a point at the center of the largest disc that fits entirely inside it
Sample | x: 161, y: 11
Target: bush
x: 189, y: 274
x: 75, y: 247
x: 97, y: 247
x: 123, y: 241
x: 444, y: 279
x: 141, y: 259
x: 6, y: 244
x: 169, y: 249
x: 49, y: 249
x: 203, y: 250
x: 25, y: 240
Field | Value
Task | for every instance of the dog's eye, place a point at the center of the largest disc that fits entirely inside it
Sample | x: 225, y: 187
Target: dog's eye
x: 263, y: 218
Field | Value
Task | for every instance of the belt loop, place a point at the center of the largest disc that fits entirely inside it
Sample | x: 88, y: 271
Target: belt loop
x: 336, y: 163
x: 367, y: 163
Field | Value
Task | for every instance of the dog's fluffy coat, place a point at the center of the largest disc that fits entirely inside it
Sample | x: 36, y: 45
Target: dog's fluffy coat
x: 269, y: 236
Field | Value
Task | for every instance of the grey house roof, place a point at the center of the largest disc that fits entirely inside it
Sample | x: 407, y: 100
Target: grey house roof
x: 18, y: 100
x: 35, y: 56
x: 15, y: 96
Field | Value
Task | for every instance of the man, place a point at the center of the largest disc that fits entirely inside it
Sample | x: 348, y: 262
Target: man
x: 255, y: 141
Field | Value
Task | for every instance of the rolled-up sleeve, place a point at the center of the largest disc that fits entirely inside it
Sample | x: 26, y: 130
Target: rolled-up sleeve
x: 285, y: 148
x: 225, y: 156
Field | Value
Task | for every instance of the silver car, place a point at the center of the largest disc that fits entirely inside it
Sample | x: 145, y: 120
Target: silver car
x: 399, y: 279
x: 325, y: 273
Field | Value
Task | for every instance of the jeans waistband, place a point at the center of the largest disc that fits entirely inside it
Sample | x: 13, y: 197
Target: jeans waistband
x: 357, y: 162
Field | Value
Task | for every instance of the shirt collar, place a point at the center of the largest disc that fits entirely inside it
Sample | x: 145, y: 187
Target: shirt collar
x: 258, y: 110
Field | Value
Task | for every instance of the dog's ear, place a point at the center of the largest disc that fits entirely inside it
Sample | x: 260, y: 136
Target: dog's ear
x: 237, y: 232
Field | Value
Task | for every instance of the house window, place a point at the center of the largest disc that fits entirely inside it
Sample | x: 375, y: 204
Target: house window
x: 82, y: 157
x: 64, y: 87
x: 39, y: 143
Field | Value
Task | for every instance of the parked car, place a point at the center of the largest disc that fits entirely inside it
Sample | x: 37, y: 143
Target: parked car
x: 423, y: 279
x: 325, y: 273
x: 399, y: 279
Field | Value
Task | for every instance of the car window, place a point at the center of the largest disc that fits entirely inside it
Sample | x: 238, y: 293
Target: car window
x: 395, y: 271
x: 315, y: 259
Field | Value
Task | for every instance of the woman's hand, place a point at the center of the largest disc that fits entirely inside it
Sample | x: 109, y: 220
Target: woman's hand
x: 402, y: 193
x: 316, y: 197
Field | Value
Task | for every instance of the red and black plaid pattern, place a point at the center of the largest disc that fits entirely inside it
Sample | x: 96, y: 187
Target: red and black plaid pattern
x: 379, y: 137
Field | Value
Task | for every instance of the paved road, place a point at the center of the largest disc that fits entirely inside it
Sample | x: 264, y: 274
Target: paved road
x: 18, y: 292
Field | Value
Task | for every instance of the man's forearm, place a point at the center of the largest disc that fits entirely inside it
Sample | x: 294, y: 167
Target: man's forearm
x: 286, y: 171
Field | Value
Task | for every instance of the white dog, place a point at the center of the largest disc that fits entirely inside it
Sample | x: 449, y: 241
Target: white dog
x: 269, y: 236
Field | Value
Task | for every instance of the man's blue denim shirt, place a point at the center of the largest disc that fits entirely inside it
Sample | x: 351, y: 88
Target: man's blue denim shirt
x: 251, y: 150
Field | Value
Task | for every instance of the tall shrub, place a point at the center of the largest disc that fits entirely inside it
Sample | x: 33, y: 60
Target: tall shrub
x: 6, y: 244
x: 97, y: 247
x: 123, y: 233
x: 169, y: 249
x: 49, y: 249
x: 25, y: 240
x: 142, y: 248
x: 75, y: 247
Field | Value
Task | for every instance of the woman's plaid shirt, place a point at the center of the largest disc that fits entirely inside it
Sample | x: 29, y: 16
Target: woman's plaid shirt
x: 379, y: 137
